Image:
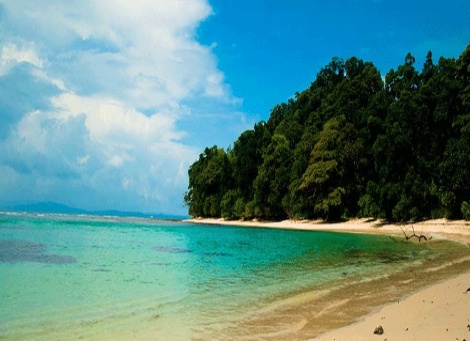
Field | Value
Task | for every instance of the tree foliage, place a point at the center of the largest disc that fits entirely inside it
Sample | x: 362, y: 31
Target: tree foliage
x: 352, y: 144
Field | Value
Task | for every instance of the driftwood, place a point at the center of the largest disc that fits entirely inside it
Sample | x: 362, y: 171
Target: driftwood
x: 414, y: 235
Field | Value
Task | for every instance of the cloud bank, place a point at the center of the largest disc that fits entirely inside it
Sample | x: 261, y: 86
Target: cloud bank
x: 94, y: 94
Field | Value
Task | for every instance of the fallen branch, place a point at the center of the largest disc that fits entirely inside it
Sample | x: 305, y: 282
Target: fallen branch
x: 414, y: 235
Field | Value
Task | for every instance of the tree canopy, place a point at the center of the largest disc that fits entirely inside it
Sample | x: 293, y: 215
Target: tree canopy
x: 353, y: 144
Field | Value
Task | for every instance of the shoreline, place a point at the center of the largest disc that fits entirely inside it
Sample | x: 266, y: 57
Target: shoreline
x: 458, y: 230
x: 430, y: 302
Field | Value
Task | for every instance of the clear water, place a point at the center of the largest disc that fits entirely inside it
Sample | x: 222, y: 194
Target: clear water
x: 73, y: 277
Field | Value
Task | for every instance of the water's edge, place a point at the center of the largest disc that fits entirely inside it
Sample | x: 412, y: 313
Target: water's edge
x: 312, y: 313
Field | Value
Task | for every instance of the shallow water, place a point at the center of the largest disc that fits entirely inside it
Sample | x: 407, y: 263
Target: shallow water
x: 71, y: 277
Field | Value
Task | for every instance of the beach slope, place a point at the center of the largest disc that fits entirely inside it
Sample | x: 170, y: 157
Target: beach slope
x: 439, y: 312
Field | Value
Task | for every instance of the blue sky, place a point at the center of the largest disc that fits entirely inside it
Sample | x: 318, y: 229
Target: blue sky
x: 105, y: 104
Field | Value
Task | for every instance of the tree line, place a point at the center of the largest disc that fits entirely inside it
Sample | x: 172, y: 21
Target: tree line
x: 351, y: 145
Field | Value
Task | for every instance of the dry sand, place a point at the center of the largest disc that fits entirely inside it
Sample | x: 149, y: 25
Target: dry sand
x: 439, y: 312
x: 437, y: 308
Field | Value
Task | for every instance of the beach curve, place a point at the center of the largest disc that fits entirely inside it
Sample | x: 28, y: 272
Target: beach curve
x: 433, y: 306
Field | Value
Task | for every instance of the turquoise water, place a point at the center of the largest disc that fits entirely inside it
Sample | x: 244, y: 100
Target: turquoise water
x: 72, y: 277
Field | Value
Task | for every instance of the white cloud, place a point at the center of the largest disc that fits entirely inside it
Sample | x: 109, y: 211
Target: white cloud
x: 83, y: 160
x: 11, y: 54
x: 104, y: 146
x: 145, y: 51
x: 126, y: 72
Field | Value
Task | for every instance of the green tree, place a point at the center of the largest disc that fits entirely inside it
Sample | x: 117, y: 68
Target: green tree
x: 326, y: 178
x: 272, y: 181
x: 247, y: 157
x: 209, y: 178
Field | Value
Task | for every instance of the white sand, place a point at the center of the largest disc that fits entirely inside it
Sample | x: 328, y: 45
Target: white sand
x: 439, y: 312
x: 439, y: 228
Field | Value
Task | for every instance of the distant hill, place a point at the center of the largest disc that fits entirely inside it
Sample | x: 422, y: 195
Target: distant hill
x: 46, y: 207
x: 53, y: 207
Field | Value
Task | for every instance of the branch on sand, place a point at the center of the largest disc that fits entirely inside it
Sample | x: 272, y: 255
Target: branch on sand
x: 414, y: 235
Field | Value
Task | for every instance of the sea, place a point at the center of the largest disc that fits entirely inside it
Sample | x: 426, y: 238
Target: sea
x: 71, y: 277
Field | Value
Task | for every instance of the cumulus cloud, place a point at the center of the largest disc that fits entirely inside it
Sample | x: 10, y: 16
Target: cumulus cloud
x: 103, y: 86
x: 12, y: 55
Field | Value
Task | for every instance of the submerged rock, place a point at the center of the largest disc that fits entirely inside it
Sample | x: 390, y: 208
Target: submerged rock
x: 20, y: 251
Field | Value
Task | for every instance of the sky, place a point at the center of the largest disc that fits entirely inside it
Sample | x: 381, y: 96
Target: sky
x: 105, y: 104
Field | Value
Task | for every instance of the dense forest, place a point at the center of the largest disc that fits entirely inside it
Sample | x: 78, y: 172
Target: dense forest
x: 351, y: 145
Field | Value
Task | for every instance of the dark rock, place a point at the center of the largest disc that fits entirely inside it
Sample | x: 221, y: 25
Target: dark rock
x: 379, y: 330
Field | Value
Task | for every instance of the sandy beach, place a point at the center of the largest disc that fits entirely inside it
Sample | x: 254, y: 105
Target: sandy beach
x: 458, y: 230
x: 429, y: 303
x: 439, y: 312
